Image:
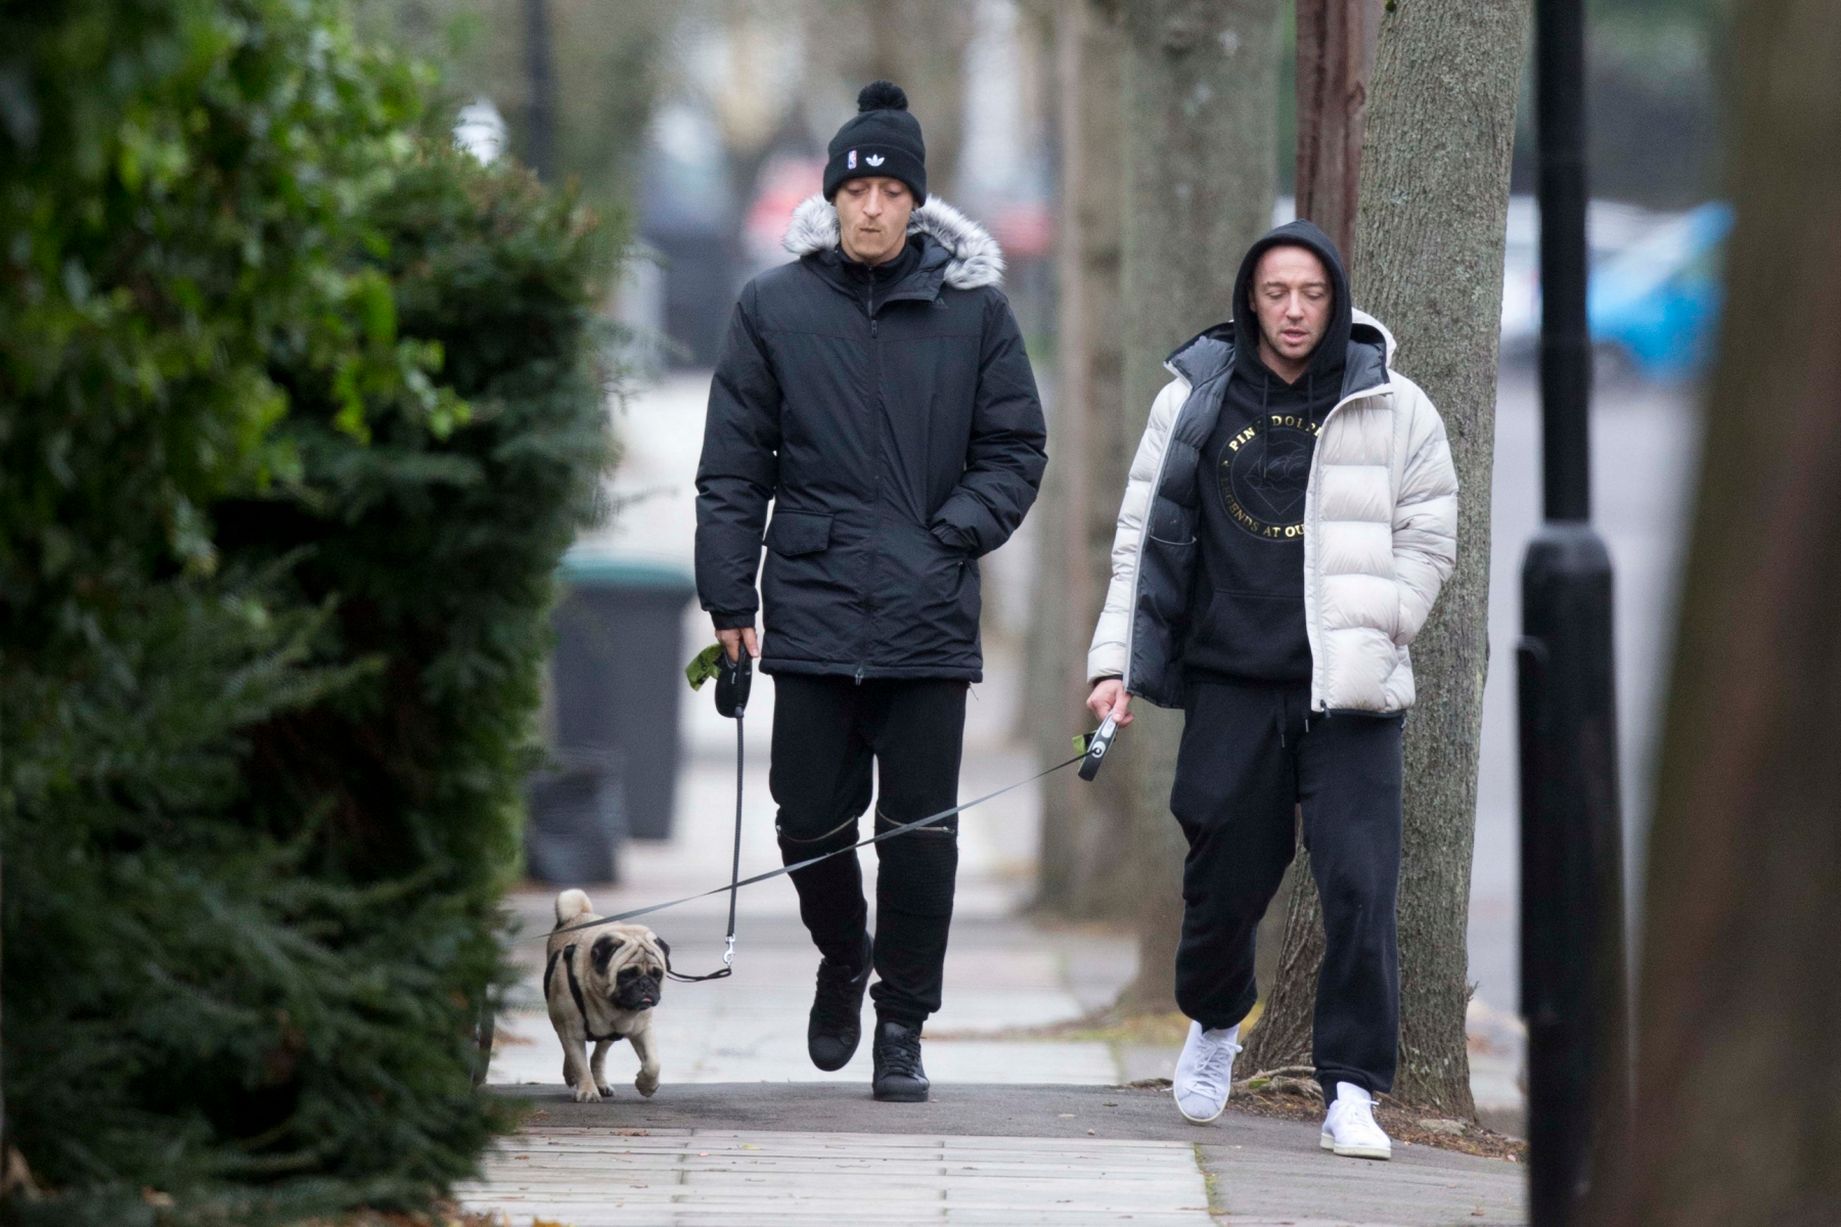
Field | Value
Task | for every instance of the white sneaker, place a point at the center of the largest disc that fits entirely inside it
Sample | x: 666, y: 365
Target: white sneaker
x: 1204, y: 1072
x: 1349, y: 1128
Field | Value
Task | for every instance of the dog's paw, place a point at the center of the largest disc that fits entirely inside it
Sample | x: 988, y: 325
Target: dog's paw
x: 646, y: 1084
x: 607, y: 1092
x: 587, y: 1094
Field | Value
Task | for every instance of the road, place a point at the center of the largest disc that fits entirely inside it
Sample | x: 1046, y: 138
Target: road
x: 1646, y: 446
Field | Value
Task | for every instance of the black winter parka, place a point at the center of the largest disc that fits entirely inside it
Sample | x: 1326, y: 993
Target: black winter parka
x: 895, y: 426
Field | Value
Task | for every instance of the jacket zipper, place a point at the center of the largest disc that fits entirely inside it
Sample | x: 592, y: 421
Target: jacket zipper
x: 869, y: 308
x: 875, y: 379
x: 1310, y: 483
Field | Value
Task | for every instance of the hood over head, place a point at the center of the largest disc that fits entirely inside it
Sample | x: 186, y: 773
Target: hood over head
x: 973, y: 258
x: 1331, y: 350
x: 1354, y: 342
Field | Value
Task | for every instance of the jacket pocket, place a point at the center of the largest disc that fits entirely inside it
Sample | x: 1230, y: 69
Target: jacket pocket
x: 793, y: 533
x: 949, y: 575
x: 949, y: 537
x: 1398, y: 631
x: 1165, y: 571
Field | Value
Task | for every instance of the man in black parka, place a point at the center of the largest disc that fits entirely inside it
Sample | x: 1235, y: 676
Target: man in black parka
x: 876, y: 391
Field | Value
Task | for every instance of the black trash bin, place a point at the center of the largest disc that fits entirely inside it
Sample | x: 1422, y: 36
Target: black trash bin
x: 578, y: 819
x: 618, y: 675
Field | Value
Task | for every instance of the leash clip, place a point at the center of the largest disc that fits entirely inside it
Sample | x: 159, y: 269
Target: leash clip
x: 728, y: 954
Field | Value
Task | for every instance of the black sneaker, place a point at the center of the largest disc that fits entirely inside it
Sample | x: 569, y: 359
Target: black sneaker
x: 836, y: 1023
x: 899, y: 1077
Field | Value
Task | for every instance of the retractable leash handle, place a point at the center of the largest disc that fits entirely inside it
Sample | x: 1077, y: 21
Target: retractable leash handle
x: 734, y: 679
x: 1098, y: 742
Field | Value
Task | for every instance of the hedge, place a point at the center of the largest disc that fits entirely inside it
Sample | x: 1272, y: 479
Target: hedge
x: 300, y: 410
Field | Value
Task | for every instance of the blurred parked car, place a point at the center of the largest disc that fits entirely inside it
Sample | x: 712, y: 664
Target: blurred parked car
x: 1654, y: 307
x: 785, y: 180
x: 1609, y: 228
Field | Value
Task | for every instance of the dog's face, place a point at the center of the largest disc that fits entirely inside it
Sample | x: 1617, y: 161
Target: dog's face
x: 628, y: 965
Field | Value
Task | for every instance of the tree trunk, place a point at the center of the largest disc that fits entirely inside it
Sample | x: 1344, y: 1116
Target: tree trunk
x: 1075, y: 875
x: 1200, y: 169
x: 921, y: 47
x: 1434, y: 203
x: 1739, y: 1006
x: 1336, y: 45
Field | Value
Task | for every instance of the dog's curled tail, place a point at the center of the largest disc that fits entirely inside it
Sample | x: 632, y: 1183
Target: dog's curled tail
x: 570, y: 905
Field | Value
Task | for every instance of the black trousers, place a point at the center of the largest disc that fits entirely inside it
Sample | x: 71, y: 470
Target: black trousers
x: 1246, y: 763
x: 827, y: 734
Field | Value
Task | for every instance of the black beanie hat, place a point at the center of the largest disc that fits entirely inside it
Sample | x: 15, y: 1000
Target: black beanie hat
x: 881, y: 139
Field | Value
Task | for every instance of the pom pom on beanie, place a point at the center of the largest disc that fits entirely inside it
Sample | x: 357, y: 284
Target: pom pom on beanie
x: 882, y: 96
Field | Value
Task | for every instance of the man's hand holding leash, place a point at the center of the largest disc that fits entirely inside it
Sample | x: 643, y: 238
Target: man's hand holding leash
x: 734, y: 641
x: 1109, y: 701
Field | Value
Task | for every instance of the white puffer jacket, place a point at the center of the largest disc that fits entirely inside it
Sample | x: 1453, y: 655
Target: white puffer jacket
x: 1380, y: 537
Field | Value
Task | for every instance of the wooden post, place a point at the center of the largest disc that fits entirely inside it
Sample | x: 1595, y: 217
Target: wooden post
x: 1336, y: 45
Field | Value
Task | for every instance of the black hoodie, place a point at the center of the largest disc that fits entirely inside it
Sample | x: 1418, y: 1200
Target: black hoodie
x: 1246, y: 610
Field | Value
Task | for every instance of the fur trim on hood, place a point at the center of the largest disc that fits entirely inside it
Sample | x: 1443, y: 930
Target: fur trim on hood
x: 974, y: 257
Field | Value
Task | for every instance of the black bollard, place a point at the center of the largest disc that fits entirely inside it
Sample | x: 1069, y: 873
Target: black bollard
x: 1573, y: 985
x: 1572, y: 948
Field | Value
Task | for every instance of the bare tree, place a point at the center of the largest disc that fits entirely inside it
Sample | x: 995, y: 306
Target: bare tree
x: 1738, y: 1086
x: 1199, y: 180
x: 1434, y: 202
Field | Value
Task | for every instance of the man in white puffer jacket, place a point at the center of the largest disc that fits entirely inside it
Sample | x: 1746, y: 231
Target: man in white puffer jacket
x: 1289, y: 519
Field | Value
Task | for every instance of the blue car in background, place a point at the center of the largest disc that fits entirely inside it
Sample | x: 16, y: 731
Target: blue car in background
x: 1654, y: 306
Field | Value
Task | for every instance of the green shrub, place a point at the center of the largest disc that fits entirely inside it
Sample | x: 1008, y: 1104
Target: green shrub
x: 298, y: 415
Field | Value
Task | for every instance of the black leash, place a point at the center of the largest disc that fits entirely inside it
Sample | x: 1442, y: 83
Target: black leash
x: 734, y: 680
x: 903, y: 829
x: 735, y: 873
x: 732, y: 686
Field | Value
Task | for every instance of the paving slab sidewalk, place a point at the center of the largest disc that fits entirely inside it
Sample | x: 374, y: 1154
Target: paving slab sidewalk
x: 744, y: 1130
x: 810, y: 1152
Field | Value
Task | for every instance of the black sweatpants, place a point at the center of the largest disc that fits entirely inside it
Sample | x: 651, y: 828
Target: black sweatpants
x: 827, y: 732
x: 1246, y: 761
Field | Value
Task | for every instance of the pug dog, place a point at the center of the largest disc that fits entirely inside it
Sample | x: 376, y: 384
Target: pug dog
x: 601, y: 985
